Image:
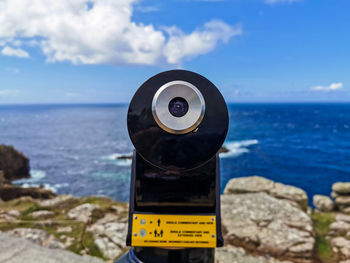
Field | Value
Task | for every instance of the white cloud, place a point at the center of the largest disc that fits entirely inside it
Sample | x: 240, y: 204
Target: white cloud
x: 8, y: 93
x: 272, y: 2
x: 200, y: 41
x: 14, y: 52
x: 102, y: 31
x: 331, y: 87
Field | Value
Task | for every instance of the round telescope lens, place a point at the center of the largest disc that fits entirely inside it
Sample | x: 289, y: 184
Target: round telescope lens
x: 178, y: 107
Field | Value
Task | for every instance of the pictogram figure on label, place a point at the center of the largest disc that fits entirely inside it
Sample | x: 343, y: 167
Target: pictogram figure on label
x: 158, y: 234
x: 158, y: 222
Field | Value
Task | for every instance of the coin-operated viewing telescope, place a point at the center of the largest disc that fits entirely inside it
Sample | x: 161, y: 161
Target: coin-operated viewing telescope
x: 177, y: 121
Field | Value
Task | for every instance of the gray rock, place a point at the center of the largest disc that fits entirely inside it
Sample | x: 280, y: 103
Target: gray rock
x: 342, y: 217
x: 119, y: 209
x: 66, y: 229
x: 334, y: 195
x: 232, y: 254
x: 341, y: 188
x: 251, y: 184
x: 323, y: 203
x: 109, y: 234
x: 17, y: 250
x: 340, y: 242
x: 343, y: 246
x: 56, y: 201
x: 10, y: 216
x: 37, y: 236
x: 339, y: 226
x: 266, y: 225
x: 108, y: 248
x: 290, y: 193
x: 256, y: 184
x: 14, y: 213
x: 345, y: 252
x: 68, y: 241
x: 82, y: 212
x: 342, y: 201
x: 42, y: 214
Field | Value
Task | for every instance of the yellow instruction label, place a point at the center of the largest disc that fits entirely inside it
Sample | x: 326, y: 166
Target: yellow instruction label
x: 173, y: 231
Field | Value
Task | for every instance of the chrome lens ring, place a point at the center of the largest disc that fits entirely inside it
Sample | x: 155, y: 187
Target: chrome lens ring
x: 178, y: 89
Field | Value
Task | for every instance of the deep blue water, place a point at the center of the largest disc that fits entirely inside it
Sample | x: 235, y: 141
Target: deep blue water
x: 73, y: 148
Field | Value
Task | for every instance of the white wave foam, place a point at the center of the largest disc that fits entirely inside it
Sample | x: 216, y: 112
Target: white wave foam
x: 45, y: 186
x: 52, y: 188
x: 124, y: 162
x: 34, y: 181
x: 37, y: 175
x: 237, y: 148
x: 115, y: 157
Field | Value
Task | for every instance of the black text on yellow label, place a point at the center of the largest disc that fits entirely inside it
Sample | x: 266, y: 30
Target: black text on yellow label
x: 173, y: 231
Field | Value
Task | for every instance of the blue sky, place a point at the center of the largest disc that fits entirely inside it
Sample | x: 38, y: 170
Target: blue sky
x: 101, y: 51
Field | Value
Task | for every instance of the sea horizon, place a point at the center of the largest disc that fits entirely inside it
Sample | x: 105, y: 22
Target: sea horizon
x: 127, y: 103
x: 74, y: 148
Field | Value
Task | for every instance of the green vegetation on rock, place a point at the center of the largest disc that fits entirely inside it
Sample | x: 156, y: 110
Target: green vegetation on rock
x: 323, y: 249
x: 81, y: 240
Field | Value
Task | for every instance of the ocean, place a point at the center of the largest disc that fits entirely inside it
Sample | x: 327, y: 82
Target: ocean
x: 73, y: 149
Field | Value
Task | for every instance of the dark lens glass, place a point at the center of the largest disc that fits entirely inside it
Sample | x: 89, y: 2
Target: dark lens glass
x: 178, y: 107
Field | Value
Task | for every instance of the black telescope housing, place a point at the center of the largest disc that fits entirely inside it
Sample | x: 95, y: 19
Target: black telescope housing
x: 177, y: 121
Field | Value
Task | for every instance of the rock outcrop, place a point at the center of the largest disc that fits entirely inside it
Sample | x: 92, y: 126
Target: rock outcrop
x: 263, y: 222
x: 13, y: 163
x: 251, y: 184
x: 2, y: 178
x: 340, y: 236
x: 82, y: 212
x: 58, y: 200
x: 9, y: 192
x: 9, y: 216
x: 341, y: 194
x: 266, y: 225
x: 256, y: 184
x: 42, y: 214
x: 19, y: 250
x: 232, y: 254
x: 13, y: 166
x: 323, y: 203
x: 110, y: 235
x: 37, y: 236
x: 341, y: 188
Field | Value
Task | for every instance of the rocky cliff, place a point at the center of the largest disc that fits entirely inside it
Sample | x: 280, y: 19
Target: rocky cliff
x: 263, y: 222
x: 260, y: 224
x: 14, y: 165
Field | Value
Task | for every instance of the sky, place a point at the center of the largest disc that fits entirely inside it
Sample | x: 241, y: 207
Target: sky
x: 101, y: 51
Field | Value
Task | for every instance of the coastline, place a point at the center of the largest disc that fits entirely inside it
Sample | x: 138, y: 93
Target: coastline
x: 262, y: 220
